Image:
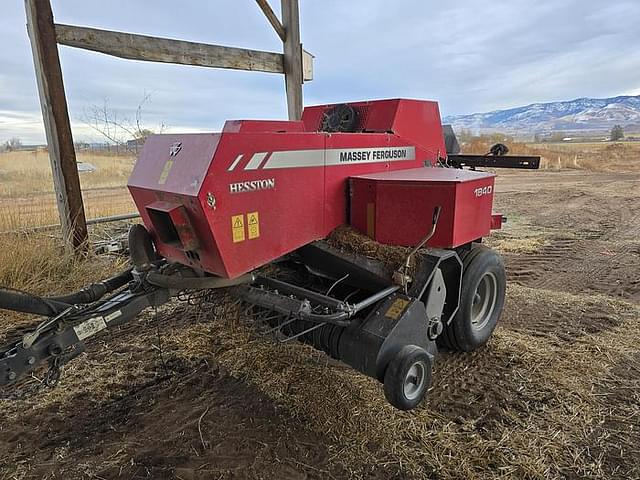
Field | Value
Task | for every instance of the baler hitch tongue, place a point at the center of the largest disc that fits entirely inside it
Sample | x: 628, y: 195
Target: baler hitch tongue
x: 62, y: 334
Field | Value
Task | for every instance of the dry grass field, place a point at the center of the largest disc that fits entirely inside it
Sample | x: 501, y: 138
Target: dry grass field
x: 192, y: 392
x: 26, y: 188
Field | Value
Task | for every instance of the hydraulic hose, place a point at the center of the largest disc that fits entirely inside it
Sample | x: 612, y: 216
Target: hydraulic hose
x: 141, y: 247
x: 95, y: 291
x: 25, y: 303
x: 51, y: 306
x: 196, y: 283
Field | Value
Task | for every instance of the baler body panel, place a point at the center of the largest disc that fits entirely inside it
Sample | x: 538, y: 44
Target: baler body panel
x: 228, y: 203
x: 169, y: 174
x: 396, y: 208
x: 368, y: 145
x: 181, y: 172
x: 262, y: 211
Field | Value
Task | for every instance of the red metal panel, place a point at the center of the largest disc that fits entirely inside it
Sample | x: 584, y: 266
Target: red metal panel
x: 288, y: 201
x: 417, y: 121
x: 420, y: 122
x: 228, y: 203
x: 336, y: 184
x: 182, y: 172
x: 254, y: 126
x: 496, y: 221
x: 404, y: 212
x: 474, y: 201
x: 405, y: 201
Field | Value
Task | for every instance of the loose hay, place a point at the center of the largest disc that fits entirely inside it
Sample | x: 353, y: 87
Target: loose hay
x: 520, y: 408
x: 555, y: 394
x: 524, y: 407
x: 520, y: 245
x: 348, y: 239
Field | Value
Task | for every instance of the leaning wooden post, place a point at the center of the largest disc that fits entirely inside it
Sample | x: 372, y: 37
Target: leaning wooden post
x: 56, y: 122
x: 292, y: 57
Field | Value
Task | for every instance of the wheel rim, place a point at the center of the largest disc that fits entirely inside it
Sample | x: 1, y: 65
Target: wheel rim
x: 414, y: 381
x: 484, y: 301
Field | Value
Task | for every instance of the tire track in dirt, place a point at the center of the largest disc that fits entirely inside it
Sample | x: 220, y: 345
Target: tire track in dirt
x: 535, y: 269
x: 594, y: 245
x: 609, y: 266
x: 470, y: 387
x: 557, y: 316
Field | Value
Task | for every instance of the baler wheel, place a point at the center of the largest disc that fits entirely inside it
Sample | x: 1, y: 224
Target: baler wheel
x: 481, y: 301
x: 408, y: 377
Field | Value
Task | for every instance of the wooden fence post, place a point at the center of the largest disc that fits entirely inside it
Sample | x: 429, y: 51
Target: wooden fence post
x: 292, y: 57
x: 56, y: 122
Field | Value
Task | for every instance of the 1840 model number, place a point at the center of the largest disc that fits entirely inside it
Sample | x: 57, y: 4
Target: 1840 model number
x: 481, y: 191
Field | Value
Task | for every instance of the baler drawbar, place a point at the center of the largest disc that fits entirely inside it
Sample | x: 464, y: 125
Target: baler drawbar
x: 251, y: 210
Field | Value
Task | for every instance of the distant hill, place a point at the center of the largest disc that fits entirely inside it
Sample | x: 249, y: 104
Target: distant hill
x: 582, y: 114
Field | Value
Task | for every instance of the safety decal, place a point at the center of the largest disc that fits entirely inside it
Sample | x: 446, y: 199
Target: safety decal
x: 253, y: 225
x: 237, y: 228
x: 396, y: 308
x: 90, y: 327
x: 112, y: 316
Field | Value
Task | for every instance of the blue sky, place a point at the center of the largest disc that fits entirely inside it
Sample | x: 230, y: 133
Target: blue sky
x: 470, y: 55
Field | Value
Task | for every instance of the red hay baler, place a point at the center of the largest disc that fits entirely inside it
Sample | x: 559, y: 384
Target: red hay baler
x: 217, y: 208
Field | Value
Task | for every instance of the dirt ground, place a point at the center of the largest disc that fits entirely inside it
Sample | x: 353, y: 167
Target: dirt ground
x: 191, y: 392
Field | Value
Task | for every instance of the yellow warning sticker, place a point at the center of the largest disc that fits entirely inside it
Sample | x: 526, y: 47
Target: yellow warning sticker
x: 396, y: 308
x: 253, y: 225
x: 165, y: 172
x: 237, y: 228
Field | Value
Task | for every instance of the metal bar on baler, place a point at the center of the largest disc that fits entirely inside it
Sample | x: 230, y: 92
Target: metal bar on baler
x: 304, y: 332
x: 341, y: 318
x: 495, y: 161
x: 299, y: 291
x: 367, y: 302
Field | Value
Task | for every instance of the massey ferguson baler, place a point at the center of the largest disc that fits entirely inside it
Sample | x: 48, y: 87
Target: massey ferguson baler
x: 250, y: 209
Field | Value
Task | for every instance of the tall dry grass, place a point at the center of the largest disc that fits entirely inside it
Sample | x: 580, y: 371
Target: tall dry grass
x: 27, y: 197
x: 41, y: 264
x: 29, y: 172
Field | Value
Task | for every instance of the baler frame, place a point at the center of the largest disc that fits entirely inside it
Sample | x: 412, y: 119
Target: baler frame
x: 326, y: 322
x: 193, y: 191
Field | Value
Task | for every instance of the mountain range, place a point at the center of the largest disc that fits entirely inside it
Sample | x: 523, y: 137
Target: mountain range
x: 581, y: 114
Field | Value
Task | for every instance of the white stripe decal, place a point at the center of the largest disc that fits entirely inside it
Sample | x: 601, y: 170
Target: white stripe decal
x: 255, y: 161
x: 338, y: 156
x: 235, y: 163
x: 295, y: 159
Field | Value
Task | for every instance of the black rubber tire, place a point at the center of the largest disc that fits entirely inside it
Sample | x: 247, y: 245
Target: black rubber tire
x: 397, y: 371
x: 461, y: 335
